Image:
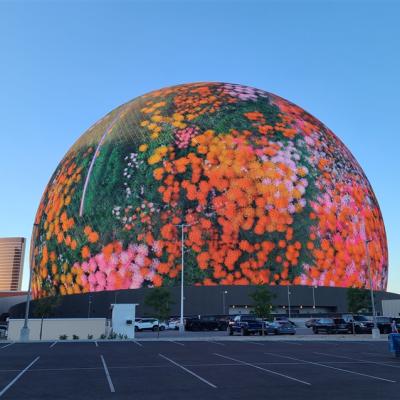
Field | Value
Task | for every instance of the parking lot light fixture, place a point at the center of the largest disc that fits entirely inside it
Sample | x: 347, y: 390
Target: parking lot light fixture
x: 224, y: 293
x: 313, y: 295
x: 375, y: 329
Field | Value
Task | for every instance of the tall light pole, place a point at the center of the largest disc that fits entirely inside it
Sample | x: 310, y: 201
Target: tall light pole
x: 224, y: 293
x: 375, y: 330
x: 288, y: 299
x: 181, y: 323
x: 24, y: 333
x: 313, y: 296
x: 89, y: 305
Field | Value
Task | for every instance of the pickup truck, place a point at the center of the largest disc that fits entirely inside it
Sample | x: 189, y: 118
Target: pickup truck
x: 246, y: 325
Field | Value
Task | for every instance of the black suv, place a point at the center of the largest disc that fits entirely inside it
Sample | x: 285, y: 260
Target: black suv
x: 385, y: 324
x: 358, y: 323
x: 331, y: 325
x: 206, y: 323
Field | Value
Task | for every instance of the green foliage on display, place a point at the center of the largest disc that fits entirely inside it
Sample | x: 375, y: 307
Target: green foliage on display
x: 358, y: 300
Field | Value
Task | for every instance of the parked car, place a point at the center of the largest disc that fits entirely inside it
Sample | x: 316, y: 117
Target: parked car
x: 206, y: 323
x: 358, y: 323
x: 284, y: 319
x: 280, y: 328
x: 246, y: 325
x: 142, y: 324
x: 173, y: 324
x: 331, y: 325
x: 384, y: 324
x: 311, y: 322
x: 3, y: 330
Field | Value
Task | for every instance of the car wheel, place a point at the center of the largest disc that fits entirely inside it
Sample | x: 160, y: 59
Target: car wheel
x: 162, y: 328
x: 276, y: 332
x: 244, y: 332
x: 230, y: 332
x: 155, y: 328
x: 136, y: 329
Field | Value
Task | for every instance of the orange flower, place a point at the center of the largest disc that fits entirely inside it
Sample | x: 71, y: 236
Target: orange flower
x: 85, y: 252
x: 158, y: 173
x: 93, y: 237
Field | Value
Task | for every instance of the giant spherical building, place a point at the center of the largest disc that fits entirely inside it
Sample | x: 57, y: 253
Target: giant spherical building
x: 266, y: 193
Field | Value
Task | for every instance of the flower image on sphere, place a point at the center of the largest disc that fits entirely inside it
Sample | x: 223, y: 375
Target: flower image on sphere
x: 268, y: 194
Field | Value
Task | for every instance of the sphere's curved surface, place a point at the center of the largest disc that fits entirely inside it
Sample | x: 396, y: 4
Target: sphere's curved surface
x: 267, y: 193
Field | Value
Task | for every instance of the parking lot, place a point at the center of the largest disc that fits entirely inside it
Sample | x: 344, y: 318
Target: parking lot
x: 207, y: 369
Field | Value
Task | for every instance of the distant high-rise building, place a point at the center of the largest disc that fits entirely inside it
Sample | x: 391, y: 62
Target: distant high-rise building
x: 12, y: 252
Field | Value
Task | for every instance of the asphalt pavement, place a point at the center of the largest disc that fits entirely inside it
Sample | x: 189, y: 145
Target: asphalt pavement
x: 198, y: 370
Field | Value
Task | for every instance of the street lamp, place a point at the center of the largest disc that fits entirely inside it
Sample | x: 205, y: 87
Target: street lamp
x: 24, y: 333
x: 375, y: 330
x: 313, y: 296
x: 288, y: 297
x: 181, y: 323
x: 89, y: 305
x: 224, y: 293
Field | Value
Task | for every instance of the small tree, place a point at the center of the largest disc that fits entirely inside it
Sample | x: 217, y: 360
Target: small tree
x: 358, y: 300
x: 262, y: 303
x: 159, y: 299
x: 45, y: 308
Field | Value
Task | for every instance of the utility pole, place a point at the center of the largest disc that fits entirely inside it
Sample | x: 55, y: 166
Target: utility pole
x: 288, y: 296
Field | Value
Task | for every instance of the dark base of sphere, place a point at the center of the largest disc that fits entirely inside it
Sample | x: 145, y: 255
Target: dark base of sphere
x: 210, y: 300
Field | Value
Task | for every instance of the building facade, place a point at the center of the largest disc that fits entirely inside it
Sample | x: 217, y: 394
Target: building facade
x: 12, y: 251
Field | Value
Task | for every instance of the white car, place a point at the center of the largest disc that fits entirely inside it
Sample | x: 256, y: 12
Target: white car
x: 142, y: 324
x: 173, y: 324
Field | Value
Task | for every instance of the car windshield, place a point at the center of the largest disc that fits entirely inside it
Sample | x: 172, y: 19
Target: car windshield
x: 325, y: 321
x: 248, y: 318
x: 360, y: 318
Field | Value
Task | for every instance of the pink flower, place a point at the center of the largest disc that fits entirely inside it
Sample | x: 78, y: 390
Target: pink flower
x: 85, y: 267
x: 92, y: 265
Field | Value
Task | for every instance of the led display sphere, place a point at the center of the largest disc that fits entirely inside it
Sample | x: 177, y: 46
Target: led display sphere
x: 263, y: 191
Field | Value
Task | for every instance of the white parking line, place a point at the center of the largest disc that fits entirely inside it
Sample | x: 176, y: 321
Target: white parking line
x: 293, y: 343
x: 107, y: 375
x: 335, y: 368
x: 18, y: 376
x: 96, y: 344
x: 357, y: 359
x: 178, y: 343
x: 53, y: 344
x: 9, y: 344
x: 218, y: 343
x: 139, y: 344
x: 263, y: 369
x: 189, y: 371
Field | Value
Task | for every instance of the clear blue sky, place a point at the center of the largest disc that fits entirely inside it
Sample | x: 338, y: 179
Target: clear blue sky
x: 65, y: 64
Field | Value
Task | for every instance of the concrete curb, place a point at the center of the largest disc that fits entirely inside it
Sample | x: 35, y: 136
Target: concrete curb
x: 283, y: 338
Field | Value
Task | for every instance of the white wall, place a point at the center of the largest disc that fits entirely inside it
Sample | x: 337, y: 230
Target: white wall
x: 54, y: 327
x: 122, y: 313
x: 391, y: 308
